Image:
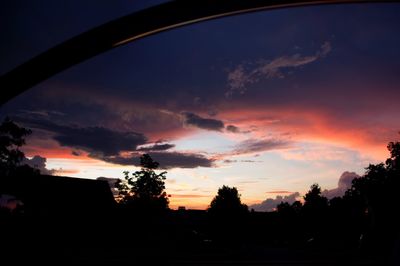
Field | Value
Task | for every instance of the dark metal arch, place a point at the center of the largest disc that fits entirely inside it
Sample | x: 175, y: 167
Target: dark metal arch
x: 132, y: 27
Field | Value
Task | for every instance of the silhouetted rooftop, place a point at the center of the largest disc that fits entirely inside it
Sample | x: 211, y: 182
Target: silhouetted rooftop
x: 59, y: 195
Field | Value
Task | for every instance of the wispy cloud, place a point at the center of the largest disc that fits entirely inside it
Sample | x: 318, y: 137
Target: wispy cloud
x: 241, y: 161
x: 279, y: 192
x: 157, y: 147
x: 260, y: 145
x: 241, y: 77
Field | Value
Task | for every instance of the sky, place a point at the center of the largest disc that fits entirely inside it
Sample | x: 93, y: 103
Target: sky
x: 269, y: 102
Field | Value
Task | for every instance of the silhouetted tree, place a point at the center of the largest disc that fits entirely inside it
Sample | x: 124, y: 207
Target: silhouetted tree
x: 313, y: 199
x: 315, y: 210
x: 289, y: 220
x: 228, y: 217
x: 12, y: 137
x: 375, y: 194
x: 145, y: 188
x: 286, y: 208
x: 227, y: 201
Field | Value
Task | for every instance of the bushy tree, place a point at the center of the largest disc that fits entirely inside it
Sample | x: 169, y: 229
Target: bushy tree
x: 228, y: 217
x: 314, y: 200
x: 227, y: 201
x: 144, y: 189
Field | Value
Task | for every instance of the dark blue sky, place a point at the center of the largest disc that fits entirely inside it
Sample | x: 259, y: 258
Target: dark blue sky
x: 32, y: 27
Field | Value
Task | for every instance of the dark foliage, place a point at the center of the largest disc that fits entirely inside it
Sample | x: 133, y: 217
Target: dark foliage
x: 12, y: 137
x: 227, y: 201
x: 144, y: 190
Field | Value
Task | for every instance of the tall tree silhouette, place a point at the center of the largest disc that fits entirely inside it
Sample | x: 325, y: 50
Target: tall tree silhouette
x: 12, y: 137
x: 315, y: 211
x: 145, y: 188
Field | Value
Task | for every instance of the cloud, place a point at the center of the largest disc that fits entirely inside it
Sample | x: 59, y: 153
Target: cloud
x: 76, y: 153
x: 112, y: 146
x: 270, y: 204
x: 95, y: 140
x: 280, y: 192
x: 344, y: 184
x: 255, y: 145
x: 39, y: 162
x: 157, y: 147
x: 203, y: 123
x: 167, y: 160
x: 242, y: 161
x: 181, y: 160
x: 42, y: 113
x: 240, y: 77
x: 99, y: 139
x: 233, y: 129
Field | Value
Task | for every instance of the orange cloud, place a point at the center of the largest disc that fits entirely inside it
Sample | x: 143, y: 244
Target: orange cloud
x: 307, y: 124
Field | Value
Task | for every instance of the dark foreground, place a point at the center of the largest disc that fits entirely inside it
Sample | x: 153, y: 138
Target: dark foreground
x: 174, y: 238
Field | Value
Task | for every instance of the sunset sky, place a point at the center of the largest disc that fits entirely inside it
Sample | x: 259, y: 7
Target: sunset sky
x: 269, y: 102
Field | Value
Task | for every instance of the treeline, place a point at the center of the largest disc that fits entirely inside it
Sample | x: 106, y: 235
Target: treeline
x: 362, y: 224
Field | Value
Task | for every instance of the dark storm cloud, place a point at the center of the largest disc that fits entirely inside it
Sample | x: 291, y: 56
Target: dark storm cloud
x: 106, y: 145
x: 270, y: 203
x: 256, y: 145
x: 203, y: 123
x: 344, y: 184
x: 167, y: 160
x: 157, y: 147
x: 96, y: 140
x: 99, y: 139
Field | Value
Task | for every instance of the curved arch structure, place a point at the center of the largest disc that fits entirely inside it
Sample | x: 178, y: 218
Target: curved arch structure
x: 129, y: 28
